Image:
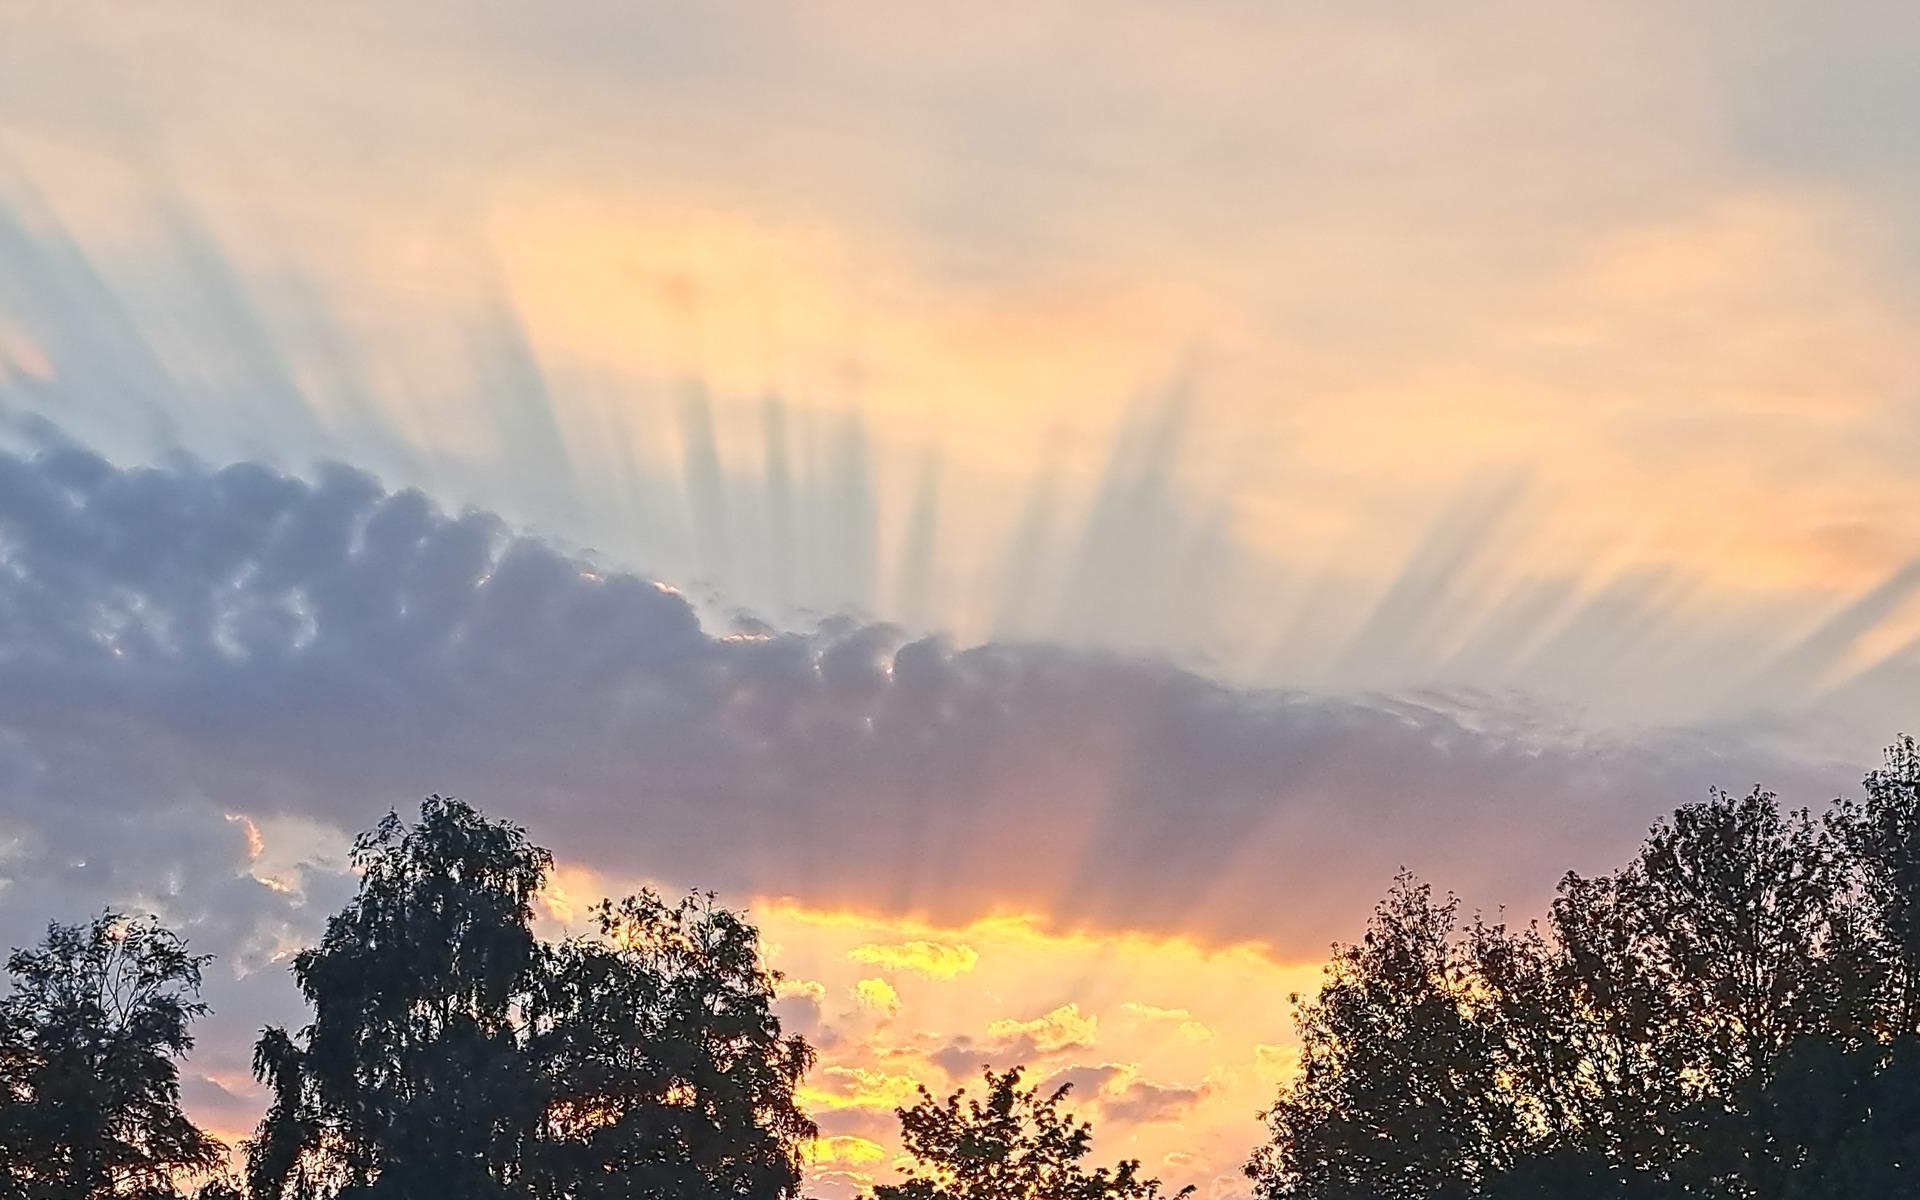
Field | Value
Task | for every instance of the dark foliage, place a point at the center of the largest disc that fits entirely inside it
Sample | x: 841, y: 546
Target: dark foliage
x: 665, y: 1071
x: 90, y: 1035
x: 453, y: 1054
x: 1011, y: 1144
x: 1732, y: 1014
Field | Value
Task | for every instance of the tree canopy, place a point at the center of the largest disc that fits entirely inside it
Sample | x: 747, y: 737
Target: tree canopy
x: 1012, y: 1143
x: 664, y: 1069
x: 453, y: 1053
x: 90, y: 1032
x: 1731, y: 1014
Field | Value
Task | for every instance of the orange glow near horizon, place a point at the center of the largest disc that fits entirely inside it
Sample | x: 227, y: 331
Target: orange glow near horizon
x: 1173, y: 1046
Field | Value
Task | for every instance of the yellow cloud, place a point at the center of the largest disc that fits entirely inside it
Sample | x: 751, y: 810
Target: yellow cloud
x: 935, y: 960
x: 858, y: 1088
x: 811, y: 989
x: 1180, y: 1018
x: 844, y: 1151
x: 1064, y: 1028
x: 877, y: 994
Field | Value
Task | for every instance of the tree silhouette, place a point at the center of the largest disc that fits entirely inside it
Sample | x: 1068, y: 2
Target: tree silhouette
x: 454, y: 1054
x: 411, y: 1079
x: 90, y: 1035
x: 1731, y: 1014
x: 1012, y: 1144
x: 665, y: 1070
x: 1399, y: 1094
x: 1880, y: 835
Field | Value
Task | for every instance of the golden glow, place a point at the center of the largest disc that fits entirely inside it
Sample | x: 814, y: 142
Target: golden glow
x: 878, y: 995
x: 1179, y: 1017
x: 835, y: 1087
x: 1064, y: 1028
x: 568, y: 890
x: 844, y: 1151
x: 1172, y: 1045
x: 935, y: 960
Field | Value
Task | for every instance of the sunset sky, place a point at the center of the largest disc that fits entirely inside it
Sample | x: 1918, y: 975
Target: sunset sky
x: 1046, y: 505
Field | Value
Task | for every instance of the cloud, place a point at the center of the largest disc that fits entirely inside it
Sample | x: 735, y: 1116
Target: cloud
x: 963, y: 1057
x: 800, y: 1005
x: 877, y: 995
x: 1179, y: 1018
x: 1064, y: 1028
x: 804, y: 988
x: 844, y: 1150
x: 1141, y: 1101
x: 1118, y: 1093
x: 831, y: 1088
x: 1011, y: 1042
x: 1087, y: 1082
x: 934, y: 960
x: 189, y: 641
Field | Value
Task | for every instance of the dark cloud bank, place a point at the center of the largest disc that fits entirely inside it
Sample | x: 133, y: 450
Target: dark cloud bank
x: 179, y: 643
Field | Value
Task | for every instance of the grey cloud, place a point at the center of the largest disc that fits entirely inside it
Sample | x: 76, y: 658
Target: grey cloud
x: 1134, y: 1101
x: 866, y: 1123
x: 965, y: 1057
x: 1086, y: 1082
x: 962, y: 1058
x: 187, y: 641
x: 1142, y: 1101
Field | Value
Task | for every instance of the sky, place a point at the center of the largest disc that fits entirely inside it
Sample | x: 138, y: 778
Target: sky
x: 1047, y: 506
